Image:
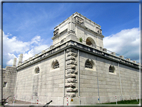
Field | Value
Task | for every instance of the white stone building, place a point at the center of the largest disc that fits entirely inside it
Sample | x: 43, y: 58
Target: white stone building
x: 76, y: 67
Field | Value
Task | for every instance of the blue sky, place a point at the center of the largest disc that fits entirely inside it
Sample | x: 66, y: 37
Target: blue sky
x: 28, y: 27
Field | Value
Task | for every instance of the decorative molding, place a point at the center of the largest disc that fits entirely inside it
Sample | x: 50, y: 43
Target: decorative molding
x: 78, y: 20
x: 71, y: 55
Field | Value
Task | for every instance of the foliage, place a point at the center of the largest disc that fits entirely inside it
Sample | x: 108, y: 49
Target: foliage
x: 125, y: 102
x: 80, y: 39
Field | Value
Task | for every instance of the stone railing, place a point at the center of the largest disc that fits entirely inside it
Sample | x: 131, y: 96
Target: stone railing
x: 102, y: 52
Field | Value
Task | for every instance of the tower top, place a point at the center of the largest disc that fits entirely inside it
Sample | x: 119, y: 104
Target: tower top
x: 79, y: 27
x: 80, y: 15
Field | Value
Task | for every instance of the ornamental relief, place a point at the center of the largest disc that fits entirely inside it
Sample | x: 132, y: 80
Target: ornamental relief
x: 78, y: 20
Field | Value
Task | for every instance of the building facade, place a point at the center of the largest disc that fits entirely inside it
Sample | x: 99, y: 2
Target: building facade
x: 76, y: 69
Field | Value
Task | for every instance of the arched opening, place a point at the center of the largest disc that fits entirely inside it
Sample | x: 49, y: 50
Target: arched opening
x: 88, y: 64
x: 37, y: 70
x: 55, y: 64
x: 4, y: 84
x: 111, y: 69
x: 90, y: 42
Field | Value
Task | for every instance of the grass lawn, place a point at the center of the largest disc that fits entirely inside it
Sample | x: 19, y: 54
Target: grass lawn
x: 125, y: 102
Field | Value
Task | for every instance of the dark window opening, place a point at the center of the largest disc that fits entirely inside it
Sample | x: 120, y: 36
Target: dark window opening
x: 88, y: 65
x: 37, y: 70
x: 88, y: 42
x: 4, y: 84
x: 111, y: 69
x: 56, y: 65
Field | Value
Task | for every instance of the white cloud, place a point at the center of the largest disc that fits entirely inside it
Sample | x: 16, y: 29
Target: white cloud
x: 34, y: 51
x: 11, y: 57
x: 12, y: 47
x: 36, y: 39
x: 126, y: 43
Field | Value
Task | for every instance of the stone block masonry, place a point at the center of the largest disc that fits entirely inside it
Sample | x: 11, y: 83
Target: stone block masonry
x: 71, y: 73
x: 75, y: 70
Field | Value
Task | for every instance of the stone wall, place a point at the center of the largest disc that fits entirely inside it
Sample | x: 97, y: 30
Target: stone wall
x: 9, y: 80
x: 46, y: 85
x: 100, y: 83
x: 72, y: 80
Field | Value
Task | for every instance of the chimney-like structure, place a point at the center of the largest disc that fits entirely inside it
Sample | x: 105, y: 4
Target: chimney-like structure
x: 14, y: 62
x: 20, y: 59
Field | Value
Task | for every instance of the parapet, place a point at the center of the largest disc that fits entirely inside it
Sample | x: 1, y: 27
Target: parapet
x: 60, y: 47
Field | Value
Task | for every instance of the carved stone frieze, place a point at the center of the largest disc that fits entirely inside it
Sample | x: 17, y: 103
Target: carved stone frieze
x: 71, y: 31
x: 78, y: 20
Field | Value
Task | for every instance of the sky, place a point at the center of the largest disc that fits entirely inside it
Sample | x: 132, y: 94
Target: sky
x: 28, y: 27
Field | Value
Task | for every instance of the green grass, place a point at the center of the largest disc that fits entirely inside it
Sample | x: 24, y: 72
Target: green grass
x: 119, y: 102
x: 125, y: 102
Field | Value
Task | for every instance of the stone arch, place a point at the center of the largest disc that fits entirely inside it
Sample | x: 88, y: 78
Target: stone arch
x: 89, y: 64
x: 37, y: 70
x: 4, y: 84
x: 55, y: 64
x: 90, y: 42
x: 111, y: 69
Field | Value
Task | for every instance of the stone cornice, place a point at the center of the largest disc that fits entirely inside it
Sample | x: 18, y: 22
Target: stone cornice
x: 76, y: 13
x: 54, y: 37
x: 86, y: 18
x: 81, y: 47
x: 103, y: 54
x: 61, y: 23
